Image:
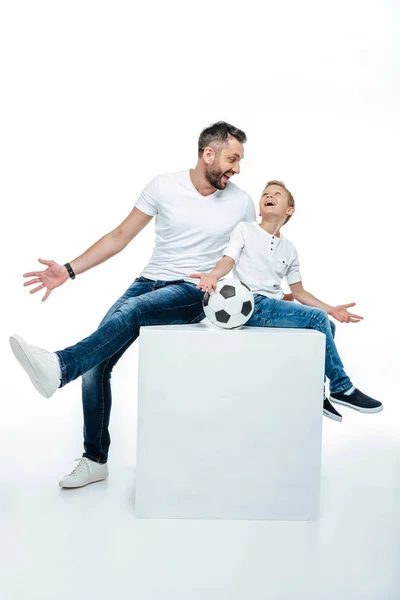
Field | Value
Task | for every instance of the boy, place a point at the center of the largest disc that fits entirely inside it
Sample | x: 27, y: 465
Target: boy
x: 261, y: 257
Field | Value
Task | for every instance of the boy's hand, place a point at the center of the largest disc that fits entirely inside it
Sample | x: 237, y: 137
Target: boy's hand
x: 288, y: 297
x: 341, y: 314
x: 208, y: 282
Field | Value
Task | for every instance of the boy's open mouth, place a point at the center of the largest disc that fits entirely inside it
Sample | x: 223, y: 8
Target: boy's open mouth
x: 269, y: 203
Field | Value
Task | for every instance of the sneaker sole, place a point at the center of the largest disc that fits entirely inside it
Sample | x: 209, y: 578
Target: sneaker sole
x: 18, y: 346
x: 359, y: 408
x: 332, y: 416
x: 75, y: 487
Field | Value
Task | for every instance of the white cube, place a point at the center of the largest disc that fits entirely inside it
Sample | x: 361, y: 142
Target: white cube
x: 229, y: 422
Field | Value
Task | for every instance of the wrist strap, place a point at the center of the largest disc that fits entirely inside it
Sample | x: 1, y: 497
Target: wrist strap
x: 70, y: 270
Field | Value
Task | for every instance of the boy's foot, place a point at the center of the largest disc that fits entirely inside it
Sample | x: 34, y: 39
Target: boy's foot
x: 330, y: 411
x: 43, y: 367
x: 358, y: 401
x: 86, y: 471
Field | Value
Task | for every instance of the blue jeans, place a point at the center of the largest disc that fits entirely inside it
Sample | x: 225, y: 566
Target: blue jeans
x: 280, y: 313
x: 145, y: 302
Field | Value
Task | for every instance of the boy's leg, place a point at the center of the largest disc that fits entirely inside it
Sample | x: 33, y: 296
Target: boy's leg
x: 278, y: 313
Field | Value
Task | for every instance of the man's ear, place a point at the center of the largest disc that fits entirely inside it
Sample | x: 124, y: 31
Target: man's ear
x: 209, y: 155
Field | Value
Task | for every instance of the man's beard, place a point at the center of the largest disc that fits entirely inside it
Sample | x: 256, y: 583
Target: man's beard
x: 213, y: 175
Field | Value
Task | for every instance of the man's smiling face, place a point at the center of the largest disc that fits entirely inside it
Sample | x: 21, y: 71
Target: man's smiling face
x: 226, y: 163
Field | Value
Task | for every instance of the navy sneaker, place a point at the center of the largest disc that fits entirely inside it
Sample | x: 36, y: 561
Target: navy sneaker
x: 358, y: 401
x: 330, y: 411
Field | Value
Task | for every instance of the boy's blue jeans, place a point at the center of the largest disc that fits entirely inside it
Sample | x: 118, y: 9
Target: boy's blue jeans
x: 148, y: 302
x: 145, y: 302
x: 280, y: 313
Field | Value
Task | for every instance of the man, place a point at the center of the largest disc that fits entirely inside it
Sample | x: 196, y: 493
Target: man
x: 261, y: 257
x: 195, y: 212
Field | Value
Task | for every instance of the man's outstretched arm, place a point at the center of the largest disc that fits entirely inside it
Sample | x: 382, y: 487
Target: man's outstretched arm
x: 340, y: 313
x: 109, y: 245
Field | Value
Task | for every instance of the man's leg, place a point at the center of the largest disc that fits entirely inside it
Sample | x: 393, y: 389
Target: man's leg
x: 170, y: 305
x: 166, y: 304
x: 96, y: 386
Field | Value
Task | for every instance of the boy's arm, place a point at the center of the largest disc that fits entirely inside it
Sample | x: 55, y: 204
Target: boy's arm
x: 208, y: 281
x: 340, y: 313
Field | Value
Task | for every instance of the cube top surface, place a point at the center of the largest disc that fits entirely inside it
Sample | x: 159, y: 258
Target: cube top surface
x: 208, y: 328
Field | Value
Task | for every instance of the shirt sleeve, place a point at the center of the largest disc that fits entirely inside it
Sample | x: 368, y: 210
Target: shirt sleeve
x: 293, y: 274
x: 250, y: 211
x: 148, y: 199
x: 236, y: 243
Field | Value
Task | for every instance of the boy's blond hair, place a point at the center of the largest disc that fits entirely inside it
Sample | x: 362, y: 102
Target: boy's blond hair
x: 290, y: 196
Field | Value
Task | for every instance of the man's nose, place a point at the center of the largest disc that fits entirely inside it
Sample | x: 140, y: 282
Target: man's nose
x: 236, y: 169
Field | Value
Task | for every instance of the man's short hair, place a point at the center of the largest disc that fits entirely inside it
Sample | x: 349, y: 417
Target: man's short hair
x: 290, y: 196
x: 218, y: 133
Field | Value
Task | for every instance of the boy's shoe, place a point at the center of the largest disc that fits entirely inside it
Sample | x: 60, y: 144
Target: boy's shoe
x: 43, y: 367
x: 358, y: 401
x: 330, y: 411
x: 86, y: 471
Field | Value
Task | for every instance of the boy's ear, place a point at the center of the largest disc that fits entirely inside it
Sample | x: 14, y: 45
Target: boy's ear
x: 290, y: 211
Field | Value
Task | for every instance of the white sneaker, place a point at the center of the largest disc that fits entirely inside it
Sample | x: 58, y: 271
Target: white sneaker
x: 42, y: 367
x: 86, y: 471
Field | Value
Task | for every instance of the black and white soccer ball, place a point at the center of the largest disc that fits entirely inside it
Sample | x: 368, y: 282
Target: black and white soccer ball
x: 230, y: 305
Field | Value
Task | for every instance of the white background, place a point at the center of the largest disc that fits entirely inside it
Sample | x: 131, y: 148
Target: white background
x: 99, y: 97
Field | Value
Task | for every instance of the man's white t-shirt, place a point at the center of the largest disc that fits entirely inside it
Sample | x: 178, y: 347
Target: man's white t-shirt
x: 262, y: 260
x: 192, y: 230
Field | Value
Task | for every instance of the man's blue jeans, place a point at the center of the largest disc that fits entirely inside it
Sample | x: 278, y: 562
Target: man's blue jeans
x: 145, y: 302
x: 280, y: 313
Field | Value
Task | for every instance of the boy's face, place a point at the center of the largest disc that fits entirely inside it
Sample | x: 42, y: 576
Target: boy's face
x: 275, y: 202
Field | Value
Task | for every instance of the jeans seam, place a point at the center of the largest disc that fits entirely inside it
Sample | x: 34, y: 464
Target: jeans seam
x: 102, y: 405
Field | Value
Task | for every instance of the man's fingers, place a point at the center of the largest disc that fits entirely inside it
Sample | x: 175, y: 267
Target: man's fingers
x: 32, y: 274
x: 47, y: 294
x: 46, y: 262
x: 39, y: 287
x: 356, y: 316
x: 32, y: 281
x: 348, y: 305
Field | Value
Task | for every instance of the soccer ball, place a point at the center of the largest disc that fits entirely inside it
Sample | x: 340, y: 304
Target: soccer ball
x: 230, y: 305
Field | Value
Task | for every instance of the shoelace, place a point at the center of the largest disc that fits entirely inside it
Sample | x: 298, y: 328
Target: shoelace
x: 81, y: 466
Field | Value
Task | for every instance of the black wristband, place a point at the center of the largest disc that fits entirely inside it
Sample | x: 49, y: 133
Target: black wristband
x: 70, y: 270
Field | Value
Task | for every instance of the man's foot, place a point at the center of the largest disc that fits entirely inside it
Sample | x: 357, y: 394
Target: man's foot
x: 42, y: 367
x: 358, y: 401
x: 86, y: 471
x: 330, y: 411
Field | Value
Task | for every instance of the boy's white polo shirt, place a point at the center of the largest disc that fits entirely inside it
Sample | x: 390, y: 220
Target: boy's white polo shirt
x: 262, y: 260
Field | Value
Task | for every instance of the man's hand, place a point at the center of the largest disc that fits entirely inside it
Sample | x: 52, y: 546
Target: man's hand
x: 208, y: 282
x: 52, y: 277
x: 341, y: 314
